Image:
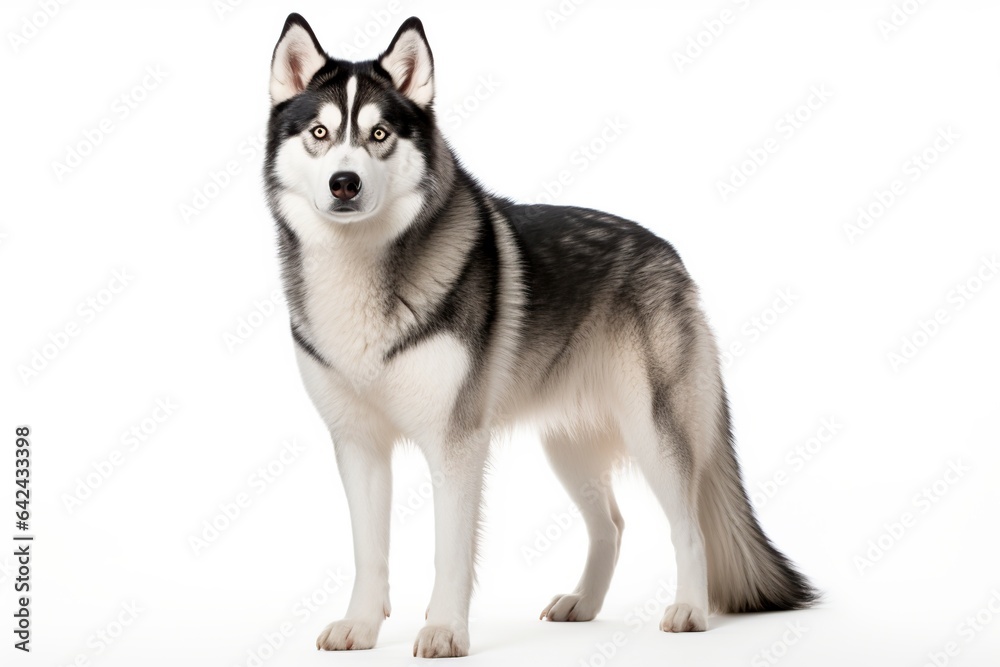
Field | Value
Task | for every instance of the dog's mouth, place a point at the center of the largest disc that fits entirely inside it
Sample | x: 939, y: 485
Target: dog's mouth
x: 343, y: 212
x: 346, y: 211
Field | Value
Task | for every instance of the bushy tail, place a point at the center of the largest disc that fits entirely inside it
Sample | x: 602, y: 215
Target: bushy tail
x: 746, y: 572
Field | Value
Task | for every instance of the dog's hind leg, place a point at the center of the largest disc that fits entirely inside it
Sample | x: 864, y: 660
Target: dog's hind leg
x: 666, y: 439
x: 583, y: 462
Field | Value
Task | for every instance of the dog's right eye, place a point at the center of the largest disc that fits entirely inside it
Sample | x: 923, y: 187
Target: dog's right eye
x: 319, y: 132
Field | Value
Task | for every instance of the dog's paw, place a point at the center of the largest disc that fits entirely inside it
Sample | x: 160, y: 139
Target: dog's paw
x: 440, y: 641
x: 682, y: 617
x: 348, y: 634
x: 571, y: 607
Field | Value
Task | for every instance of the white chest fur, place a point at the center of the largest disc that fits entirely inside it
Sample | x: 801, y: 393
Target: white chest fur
x: 345, y: 310
x: 352, y: 324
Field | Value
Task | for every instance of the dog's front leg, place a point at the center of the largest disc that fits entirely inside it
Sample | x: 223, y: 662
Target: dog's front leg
x: 367, y: 475
x: 457, y: 471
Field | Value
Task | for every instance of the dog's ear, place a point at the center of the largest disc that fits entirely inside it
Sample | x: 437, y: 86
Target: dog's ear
x: 297, y: 57
x: 409, y: 62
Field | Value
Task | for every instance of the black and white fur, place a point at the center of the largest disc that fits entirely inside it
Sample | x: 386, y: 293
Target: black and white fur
x: 425, y: 309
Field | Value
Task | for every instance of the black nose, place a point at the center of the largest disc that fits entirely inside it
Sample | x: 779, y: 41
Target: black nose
x: 345, y: 185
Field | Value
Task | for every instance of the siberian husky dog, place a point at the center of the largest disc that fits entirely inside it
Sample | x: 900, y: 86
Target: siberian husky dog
x: 425, y: 309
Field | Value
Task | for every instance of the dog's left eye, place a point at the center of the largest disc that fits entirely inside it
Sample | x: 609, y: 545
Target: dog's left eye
x: 379, y: 134
x: 319, y: 132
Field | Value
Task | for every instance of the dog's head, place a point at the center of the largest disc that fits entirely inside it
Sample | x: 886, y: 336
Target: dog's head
x: 349, y: 142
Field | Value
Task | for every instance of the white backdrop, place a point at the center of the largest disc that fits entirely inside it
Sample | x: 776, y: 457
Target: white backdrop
x: 828, y: 175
